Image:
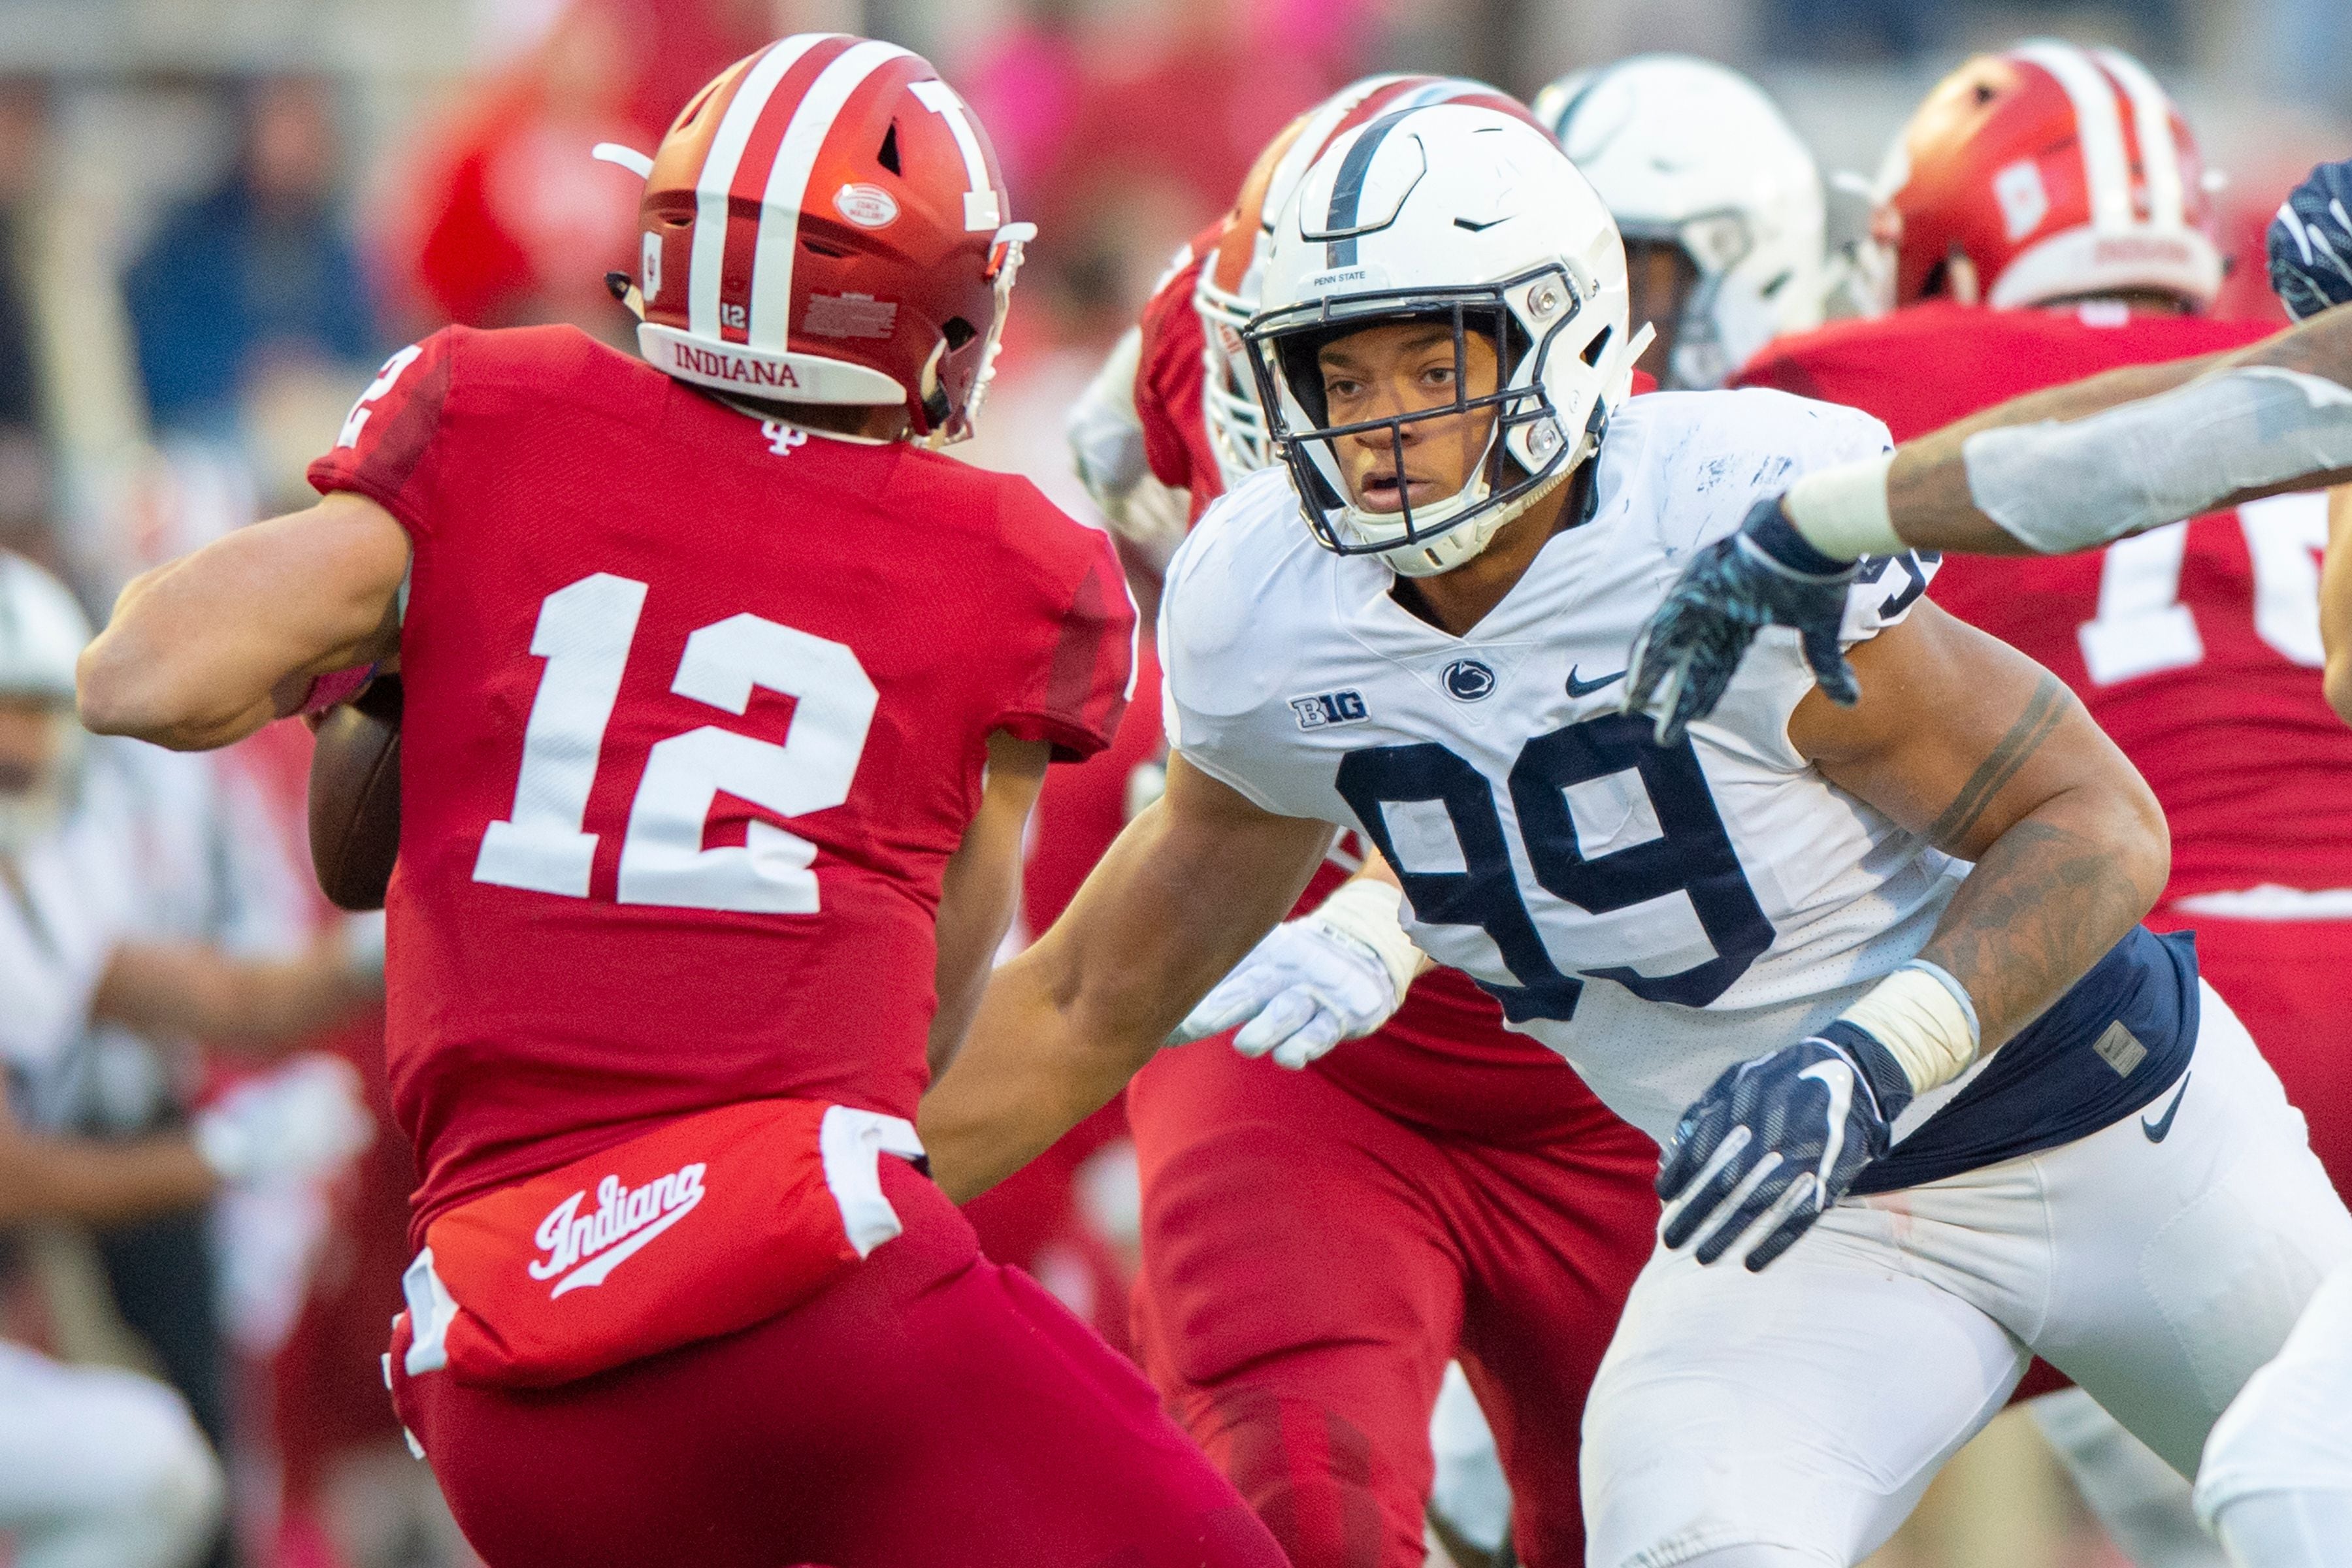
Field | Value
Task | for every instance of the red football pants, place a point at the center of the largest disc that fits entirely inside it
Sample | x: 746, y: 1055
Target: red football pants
x: 1309, y: 1266
x: 930, y: 1410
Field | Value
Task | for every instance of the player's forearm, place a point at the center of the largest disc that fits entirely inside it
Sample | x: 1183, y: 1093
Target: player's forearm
x: 2335, y: 602
x: 199, y: 652
x: 2073, y: 466
x: 98, y: 1183
x: 249, y: 1003
x: 1030, y: 1069
x: 2047, y: 901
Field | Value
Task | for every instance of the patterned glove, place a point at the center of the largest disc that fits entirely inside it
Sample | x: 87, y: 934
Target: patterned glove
x: 299, y: 1122
x: 1804, y: 1120
x: 1305, y: 988
x: 2311, y: 243
x: 1764, y: 575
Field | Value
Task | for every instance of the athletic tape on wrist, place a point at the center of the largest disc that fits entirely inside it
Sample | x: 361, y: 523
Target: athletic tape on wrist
x: 1925, y: 1021
x: 2060, y: 488
x: 1369, y: 911
x: 1844, y: 511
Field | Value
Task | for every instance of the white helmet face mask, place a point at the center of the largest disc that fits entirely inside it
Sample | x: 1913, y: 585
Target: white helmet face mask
x: 1689, y: 154
x: 42, y: 633
x: 1470, y: 219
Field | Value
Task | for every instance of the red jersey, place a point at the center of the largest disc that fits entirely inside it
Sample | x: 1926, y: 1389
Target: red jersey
x: 697, y: 710
x: 2196, y: 646
x: 1445, y: 1059
x: 1168, y: 380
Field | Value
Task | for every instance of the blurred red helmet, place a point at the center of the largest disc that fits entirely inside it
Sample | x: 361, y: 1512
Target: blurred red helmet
x: 824, y: 223
x: 1227, y: 294
x: 2045, y: 173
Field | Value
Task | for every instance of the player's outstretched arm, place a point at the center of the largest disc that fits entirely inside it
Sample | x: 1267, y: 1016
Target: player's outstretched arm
x: 1975, y: 747
x: 2063, y: 469
x: 1188, y: 889
x: 255, y: 1007
x: 208, y: 649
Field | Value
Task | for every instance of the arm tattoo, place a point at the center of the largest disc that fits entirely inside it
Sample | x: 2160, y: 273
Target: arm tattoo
x: 2042, y: 905
x: 2043, y: 711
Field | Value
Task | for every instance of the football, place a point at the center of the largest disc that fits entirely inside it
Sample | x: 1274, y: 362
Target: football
x: 355, y: 796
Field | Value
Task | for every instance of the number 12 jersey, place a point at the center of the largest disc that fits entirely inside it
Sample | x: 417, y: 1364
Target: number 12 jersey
x: 696, y: 709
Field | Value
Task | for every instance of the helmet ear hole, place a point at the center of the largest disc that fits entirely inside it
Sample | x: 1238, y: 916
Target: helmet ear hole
x: 958, y: 332
x: 1597, y: 346
x: 888, y: 154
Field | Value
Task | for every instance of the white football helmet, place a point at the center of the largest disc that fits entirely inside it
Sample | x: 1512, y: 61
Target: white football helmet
x: 1690, y: 153
x: 1447, y: 212
x: 1232, y: 275
x: 42, y: 633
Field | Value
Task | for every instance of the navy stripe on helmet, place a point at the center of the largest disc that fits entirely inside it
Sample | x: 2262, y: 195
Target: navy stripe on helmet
x: 1348, y: 190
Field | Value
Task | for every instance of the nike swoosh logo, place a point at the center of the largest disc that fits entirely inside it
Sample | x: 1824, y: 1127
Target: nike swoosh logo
x: 1838, y: 1079
x: 1587, y: 687
x: 589, y: 1274
x: 1476, y: 227
x: 2157, y: 1130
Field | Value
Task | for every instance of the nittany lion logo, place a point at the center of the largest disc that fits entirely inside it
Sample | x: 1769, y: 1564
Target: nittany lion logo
x: 1468, y: 681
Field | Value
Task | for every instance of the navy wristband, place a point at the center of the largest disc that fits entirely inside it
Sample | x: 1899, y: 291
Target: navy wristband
x: 1772, y: 534
x: 1889, y: 1084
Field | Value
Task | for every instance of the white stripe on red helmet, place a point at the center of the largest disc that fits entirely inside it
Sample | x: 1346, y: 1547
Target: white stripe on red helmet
x: 787, y: 187
x: 2098, y: 124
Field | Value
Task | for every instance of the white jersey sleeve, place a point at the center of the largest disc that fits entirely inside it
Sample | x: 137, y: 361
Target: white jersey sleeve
x: 1652, y: 913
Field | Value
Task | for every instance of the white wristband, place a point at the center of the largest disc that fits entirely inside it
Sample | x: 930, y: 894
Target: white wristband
x: 1924, y: 1019
x: 1371, y: 912
x: 1843, y: 510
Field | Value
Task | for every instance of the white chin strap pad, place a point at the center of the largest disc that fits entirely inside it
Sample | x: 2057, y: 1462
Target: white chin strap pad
x: 2058, y: 487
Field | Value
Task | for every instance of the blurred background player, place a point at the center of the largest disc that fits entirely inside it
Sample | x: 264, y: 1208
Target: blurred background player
x: 144, y: 906
x: 827, y: 253
x: 1719, y: 201
x: 2047, y: 214
x: 101, y: 1468
x: 1465, y: 1196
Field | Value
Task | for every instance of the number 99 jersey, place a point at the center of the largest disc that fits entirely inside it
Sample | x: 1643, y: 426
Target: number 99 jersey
x: 1652, y: 914
x: 696, y: 709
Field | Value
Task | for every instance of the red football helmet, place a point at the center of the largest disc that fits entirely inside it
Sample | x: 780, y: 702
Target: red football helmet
x: 1226, y: 295
x: 2044, y: 172
x: 826, y: 223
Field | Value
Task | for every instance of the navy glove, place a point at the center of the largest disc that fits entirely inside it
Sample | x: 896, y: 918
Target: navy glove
x: 1764, y: 575
x: 2311, y: 243
x: 1809, y: 1116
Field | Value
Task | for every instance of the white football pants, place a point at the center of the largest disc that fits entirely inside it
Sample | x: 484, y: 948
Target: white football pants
x: 100, y: 1469
x: 1797, y: 1415
x: 2276, y: 1485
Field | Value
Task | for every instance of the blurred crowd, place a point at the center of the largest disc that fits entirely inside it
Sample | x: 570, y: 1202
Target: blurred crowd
x: 199, y: 268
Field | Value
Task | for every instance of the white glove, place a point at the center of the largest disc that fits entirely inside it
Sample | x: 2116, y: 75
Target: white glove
x: 1336, y: 974
x: 299, y: 1122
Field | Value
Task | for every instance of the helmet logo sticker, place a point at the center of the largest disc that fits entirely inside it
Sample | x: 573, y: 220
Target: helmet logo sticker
x: 867, y: 207
x: 2024, y: 200
x: 847, y: 315
x: 649, y: 266
x: 1469, y: 681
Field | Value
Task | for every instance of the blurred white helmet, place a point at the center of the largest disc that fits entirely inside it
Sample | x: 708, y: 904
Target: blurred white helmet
x: 42, y: 633
x: 1456, y: 214
x: 1689, y: 153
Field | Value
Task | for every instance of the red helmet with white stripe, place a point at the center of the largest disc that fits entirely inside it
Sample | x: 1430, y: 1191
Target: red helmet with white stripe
x: 2046, y: 173
x: 1227, y: 294
x: 824, y: 223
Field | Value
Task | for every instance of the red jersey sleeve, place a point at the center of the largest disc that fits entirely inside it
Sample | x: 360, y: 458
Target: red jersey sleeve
x: 384, y: 450
x: 1080, y: 648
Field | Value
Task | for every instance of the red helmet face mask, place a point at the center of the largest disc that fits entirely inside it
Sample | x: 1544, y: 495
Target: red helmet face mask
x: 2047, y: 172
x: 826, y: 223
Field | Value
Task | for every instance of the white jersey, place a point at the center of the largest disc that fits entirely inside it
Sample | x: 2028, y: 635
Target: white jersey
x: 1654, y: 915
